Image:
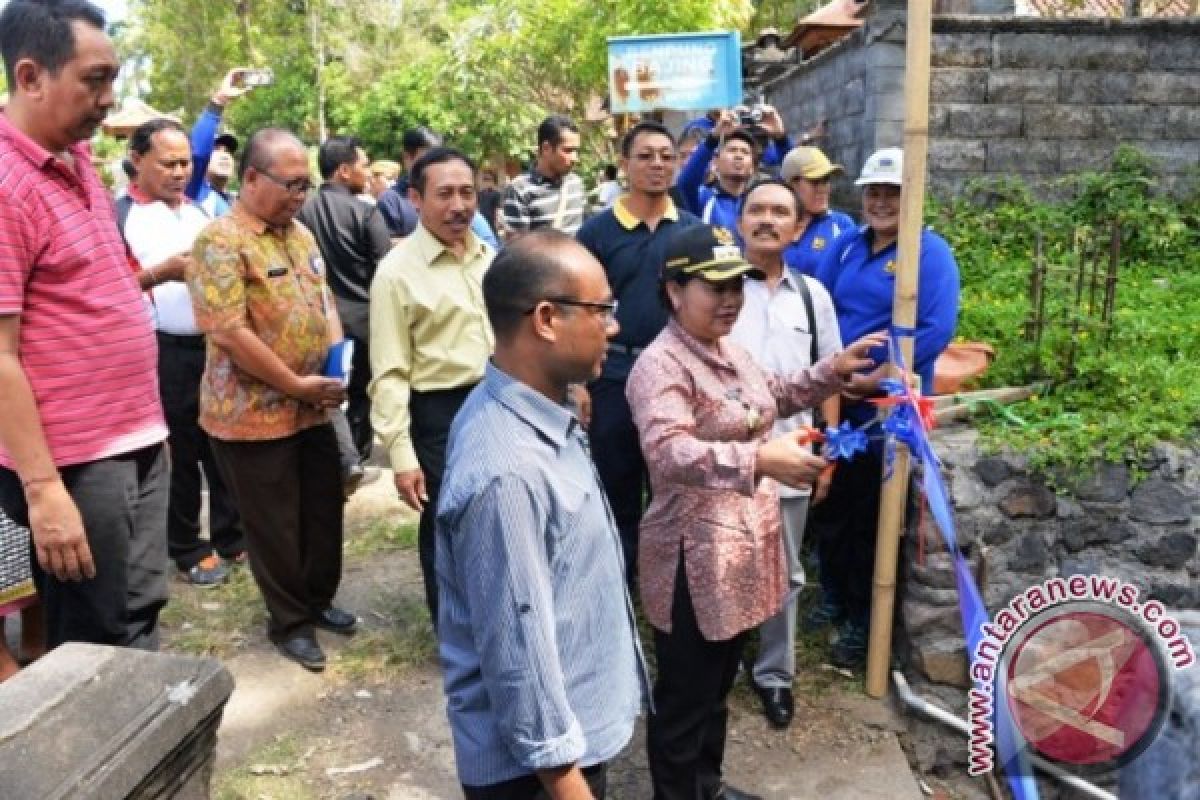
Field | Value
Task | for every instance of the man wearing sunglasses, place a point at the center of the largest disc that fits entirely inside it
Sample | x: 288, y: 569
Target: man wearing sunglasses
x: 258, y: 287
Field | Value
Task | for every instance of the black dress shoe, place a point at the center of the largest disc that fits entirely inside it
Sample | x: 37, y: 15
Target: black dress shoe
x: 727, y: 792
x: 778, y: 705
x: 336, y: 620
x: 305, y: 651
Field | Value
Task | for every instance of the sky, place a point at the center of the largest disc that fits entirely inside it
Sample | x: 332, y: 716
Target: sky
x: 114, y: 10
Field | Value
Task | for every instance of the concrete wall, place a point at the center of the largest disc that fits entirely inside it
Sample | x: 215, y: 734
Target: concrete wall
x: 1036, y: 98
x: 834, y: 89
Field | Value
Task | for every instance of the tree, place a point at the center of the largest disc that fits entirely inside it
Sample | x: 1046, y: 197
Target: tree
x: 483, y: 72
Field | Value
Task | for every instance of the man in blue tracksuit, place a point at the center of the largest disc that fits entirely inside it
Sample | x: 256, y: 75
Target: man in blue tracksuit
x: 859, y: 270
x: 212, y: 155
x: 810, y: 174
x: 732, y: 152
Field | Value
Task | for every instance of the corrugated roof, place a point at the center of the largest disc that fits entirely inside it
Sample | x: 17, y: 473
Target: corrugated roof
x: 1099, y: 8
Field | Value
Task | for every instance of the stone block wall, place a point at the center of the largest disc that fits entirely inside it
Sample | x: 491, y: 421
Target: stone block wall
x: 1042, y: 98
x: 834, y: 90
x: 1034, y: 98
x: 1019, y: 529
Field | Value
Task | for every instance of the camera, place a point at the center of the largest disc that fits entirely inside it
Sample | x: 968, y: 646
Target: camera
x: 750, y: 115
x: 251, y: 78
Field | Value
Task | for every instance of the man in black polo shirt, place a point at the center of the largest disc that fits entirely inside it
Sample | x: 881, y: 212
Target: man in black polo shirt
x: 630, y: 239
x: 353, y: 237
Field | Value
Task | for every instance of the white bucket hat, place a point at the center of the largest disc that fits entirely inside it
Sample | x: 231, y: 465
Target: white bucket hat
x: 884, y: 166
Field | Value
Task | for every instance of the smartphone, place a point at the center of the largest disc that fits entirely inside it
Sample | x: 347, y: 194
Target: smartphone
x: 250, y: 78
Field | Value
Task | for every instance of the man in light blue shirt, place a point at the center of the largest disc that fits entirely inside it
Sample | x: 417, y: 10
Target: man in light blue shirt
x: 543, y: 671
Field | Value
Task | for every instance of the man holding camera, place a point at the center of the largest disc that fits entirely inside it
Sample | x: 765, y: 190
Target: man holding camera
x: 734, y: 145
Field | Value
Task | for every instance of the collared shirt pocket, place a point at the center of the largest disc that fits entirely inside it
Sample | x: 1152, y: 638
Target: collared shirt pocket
x: 567, y: 513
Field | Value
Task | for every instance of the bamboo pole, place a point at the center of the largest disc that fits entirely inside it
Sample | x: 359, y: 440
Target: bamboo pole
x: 904, y: 317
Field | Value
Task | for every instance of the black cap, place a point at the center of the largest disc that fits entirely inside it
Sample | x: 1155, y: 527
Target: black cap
x: 228, y: 141
x: 743, y: 134
x: 709, y: 252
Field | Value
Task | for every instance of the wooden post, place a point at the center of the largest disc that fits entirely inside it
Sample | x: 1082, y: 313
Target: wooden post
x: 904, y: 317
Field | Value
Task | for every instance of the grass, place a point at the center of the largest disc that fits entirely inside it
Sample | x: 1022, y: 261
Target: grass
x: 404, y: 643
x: 280, y: 763
x: 219, y: 622
x: 377, y: 535
x: 213, y: 622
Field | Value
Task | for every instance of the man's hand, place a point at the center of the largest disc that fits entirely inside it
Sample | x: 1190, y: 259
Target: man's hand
x: 772, y: 122
x: 319, y: 391
x: 582, y: 399
x: 411, y: 486
x: 173, y: 269
x: 229, y: 87
x: 565, y: 783
x: 727, y: 123
x: 58, y: 534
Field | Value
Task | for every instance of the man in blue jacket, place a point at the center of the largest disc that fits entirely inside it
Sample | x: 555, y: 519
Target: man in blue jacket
x: 810, y: 175
x: 212, y: 155
x: 859, y: 271
x: 733, y: 153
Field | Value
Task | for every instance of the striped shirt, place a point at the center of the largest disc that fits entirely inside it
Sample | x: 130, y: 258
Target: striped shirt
x: 539, y: 650
x: 87, y: 341
x: 535, y: 201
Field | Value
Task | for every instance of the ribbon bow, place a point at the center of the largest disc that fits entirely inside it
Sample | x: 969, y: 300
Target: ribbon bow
x: 842, y: 442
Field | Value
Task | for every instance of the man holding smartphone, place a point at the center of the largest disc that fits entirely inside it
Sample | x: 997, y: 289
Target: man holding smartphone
x: 212, y: 154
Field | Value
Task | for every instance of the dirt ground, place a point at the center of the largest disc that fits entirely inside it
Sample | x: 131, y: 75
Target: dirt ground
x: 373, y: 725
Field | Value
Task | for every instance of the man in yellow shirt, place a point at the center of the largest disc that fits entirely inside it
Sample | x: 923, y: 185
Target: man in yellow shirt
x: 430, y: 336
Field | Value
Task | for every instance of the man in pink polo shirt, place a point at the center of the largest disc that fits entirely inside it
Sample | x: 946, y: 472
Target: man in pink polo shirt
x: 82, y: 461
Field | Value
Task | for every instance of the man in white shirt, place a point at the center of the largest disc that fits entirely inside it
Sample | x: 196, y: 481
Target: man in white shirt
x: 787, y: 322
x: 160, y: 224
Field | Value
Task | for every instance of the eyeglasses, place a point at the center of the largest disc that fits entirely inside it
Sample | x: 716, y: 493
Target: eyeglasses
x: 649, y: 156
x: 294, y: 186
x: 609, y: 310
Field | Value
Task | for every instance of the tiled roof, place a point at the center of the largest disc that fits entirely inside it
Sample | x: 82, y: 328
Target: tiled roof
x: 1098, y: 8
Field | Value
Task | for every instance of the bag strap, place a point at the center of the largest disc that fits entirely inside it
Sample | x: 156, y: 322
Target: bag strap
x: 806, y: 296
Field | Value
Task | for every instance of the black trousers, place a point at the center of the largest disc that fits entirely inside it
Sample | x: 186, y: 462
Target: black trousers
x: 432, y: 414
x: 356, y: 325
x: 618, y: 456
x: 528, y: 787
x: 123, y: 502
x: 844, y: 529
x: 289, y: 493
x: 685, y: 737
x: 180, y: 368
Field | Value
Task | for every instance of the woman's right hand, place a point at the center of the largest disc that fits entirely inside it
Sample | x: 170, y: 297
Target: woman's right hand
x: 790, y: 460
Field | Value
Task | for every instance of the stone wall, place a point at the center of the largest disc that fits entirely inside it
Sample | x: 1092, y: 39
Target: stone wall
x: 834, y: 90
x: 1020, y: 528
x: 1042, y: 98
x: 1035, y: 98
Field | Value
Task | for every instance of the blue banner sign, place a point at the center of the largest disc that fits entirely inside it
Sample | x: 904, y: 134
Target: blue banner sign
x: 674, y: 72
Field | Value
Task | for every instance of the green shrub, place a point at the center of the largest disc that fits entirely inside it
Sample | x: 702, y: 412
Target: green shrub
x: 1111, y: 395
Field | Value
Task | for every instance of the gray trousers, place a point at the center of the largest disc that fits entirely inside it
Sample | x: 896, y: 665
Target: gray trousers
x: 775, y: 666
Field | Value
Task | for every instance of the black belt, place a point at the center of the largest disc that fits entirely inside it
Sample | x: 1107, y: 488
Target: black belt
x: 190, y: 341
x: 625, y: 349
